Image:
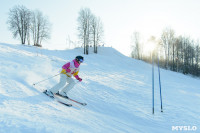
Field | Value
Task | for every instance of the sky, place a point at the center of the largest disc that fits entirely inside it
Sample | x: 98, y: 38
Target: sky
x: 120, y: 19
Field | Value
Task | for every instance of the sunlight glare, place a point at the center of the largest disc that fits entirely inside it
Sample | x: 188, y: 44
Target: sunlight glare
x: 149, y: 47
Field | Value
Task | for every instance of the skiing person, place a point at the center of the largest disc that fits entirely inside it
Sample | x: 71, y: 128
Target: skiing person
x: 68, y: 70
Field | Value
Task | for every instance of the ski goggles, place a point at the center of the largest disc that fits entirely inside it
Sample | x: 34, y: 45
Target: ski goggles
x: 81, y: 60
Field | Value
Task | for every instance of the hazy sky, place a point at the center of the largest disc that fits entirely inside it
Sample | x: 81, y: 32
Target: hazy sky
x: 120, y: 19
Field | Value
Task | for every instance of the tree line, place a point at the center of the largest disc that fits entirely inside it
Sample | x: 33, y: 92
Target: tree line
x: 26, y: 25
x: 176, y: 53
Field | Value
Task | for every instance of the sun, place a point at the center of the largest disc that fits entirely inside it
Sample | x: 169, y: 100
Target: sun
x: 149, y: 47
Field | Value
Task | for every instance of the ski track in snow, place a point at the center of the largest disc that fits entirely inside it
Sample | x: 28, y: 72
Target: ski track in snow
x: 117, y: 90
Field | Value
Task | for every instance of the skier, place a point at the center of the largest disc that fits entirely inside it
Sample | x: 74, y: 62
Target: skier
x: 69, y: 69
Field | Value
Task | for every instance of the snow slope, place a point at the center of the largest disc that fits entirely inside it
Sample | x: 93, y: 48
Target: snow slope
x: 116, y: 88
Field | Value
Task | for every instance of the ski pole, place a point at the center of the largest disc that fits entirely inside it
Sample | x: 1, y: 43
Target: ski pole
x: 160, y: 86
x: 152, y: 84
x: 46, y: 79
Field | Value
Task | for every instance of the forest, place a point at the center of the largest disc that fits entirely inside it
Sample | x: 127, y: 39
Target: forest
x: 176, y: 53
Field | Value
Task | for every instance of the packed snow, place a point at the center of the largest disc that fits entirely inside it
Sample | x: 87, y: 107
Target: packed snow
x: 116, y: 88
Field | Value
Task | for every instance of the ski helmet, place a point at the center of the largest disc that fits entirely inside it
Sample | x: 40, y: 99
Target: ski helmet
x: 79, y: 58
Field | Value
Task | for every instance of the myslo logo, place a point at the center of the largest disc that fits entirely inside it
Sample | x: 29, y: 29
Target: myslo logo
x: 184, y: 128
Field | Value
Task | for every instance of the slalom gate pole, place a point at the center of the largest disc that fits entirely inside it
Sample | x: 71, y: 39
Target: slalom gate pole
x: 152, y: 84
x: 160, y: 86
x: 46, y: 79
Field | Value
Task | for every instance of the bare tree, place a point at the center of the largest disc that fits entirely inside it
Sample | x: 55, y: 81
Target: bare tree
x: 178, y: 53
x: 137, y: 47
x: 96, y: 31
x: 19, y: 21
x: 40, y: 27
x: 197, y: 59
x: 84, y: 20
x: 168, y: 41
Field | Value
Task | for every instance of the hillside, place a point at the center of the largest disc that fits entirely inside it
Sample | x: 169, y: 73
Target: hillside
x: 116, y: 88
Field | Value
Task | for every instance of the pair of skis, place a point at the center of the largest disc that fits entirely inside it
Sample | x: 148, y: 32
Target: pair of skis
x: 66, y: 104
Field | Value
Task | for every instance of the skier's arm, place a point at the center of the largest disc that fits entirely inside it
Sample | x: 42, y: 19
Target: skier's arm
x: 66, y: 67
x: 76, y: 76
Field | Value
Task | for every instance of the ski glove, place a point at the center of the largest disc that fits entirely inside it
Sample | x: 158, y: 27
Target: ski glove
x: 77, y: 77
x: 80, y: 79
